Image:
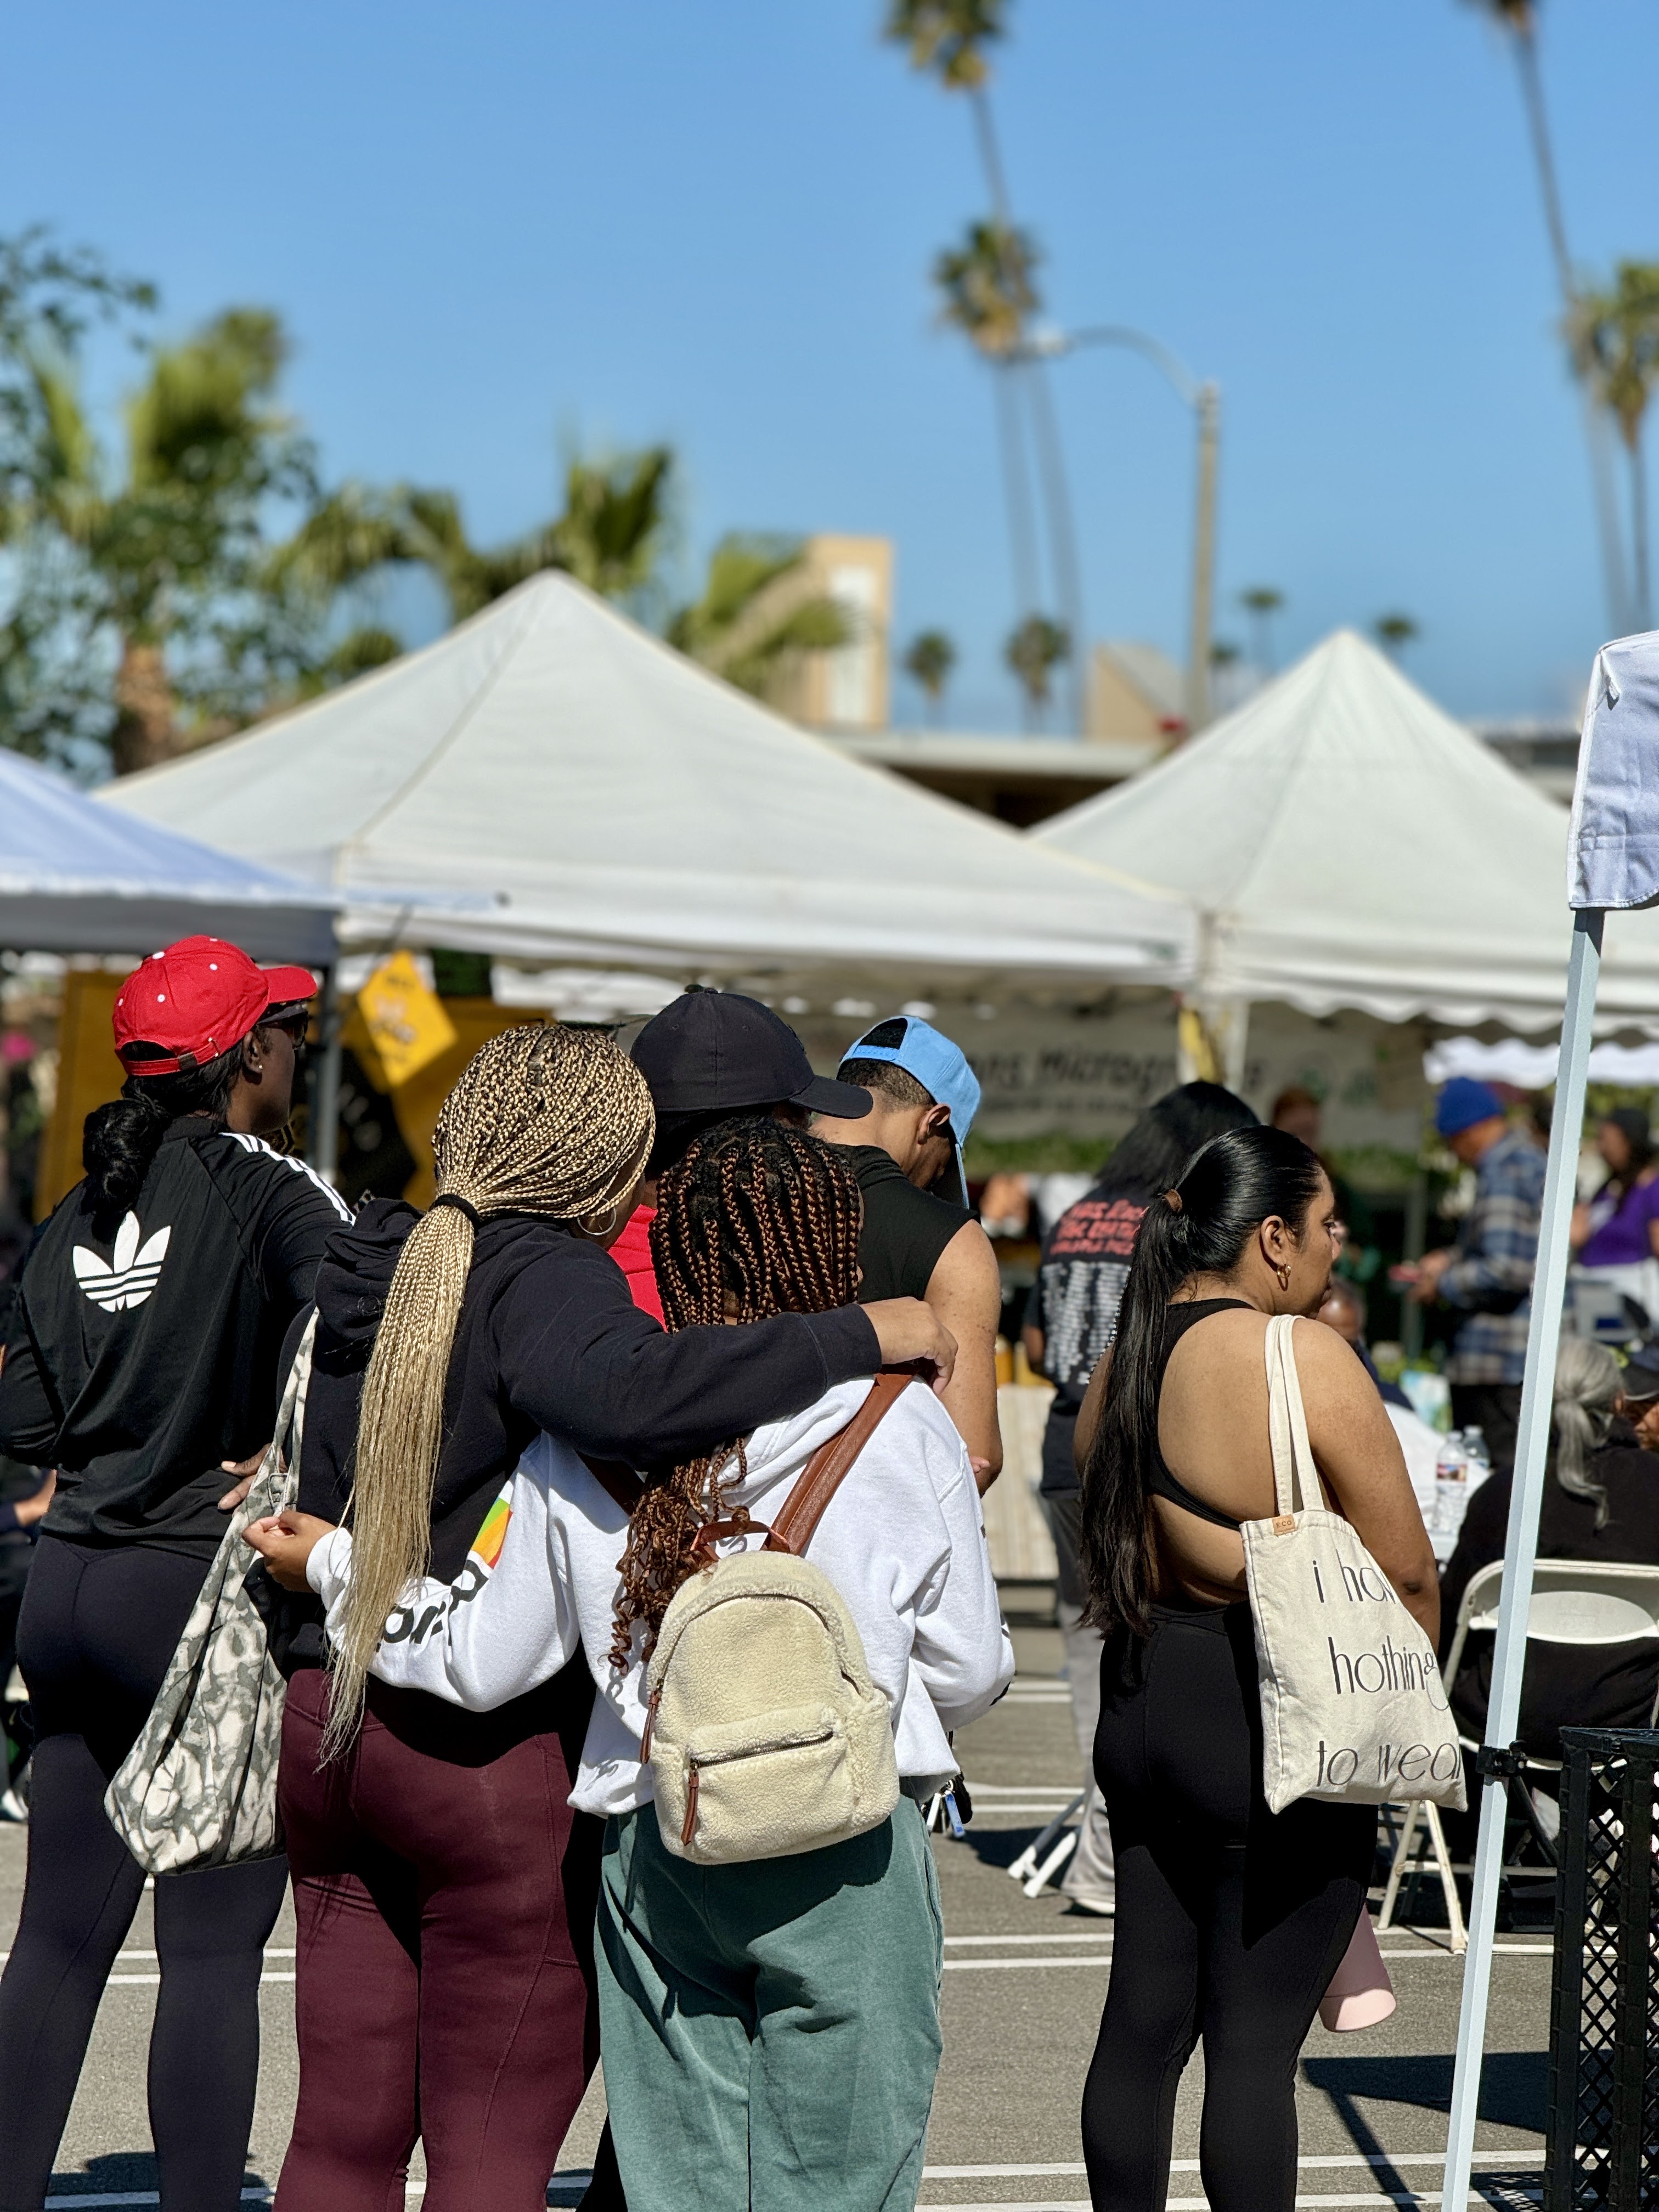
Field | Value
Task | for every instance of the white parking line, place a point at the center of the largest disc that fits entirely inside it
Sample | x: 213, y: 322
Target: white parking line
x: 993, y: 1965
x: 1485, y: 2162
x: 990, y: 1790
x: 1202, y: 2203
x: 987, y: 1942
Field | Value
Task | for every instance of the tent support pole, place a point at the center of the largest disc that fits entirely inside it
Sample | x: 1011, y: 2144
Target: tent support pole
x: 1521, y: 1545
x: 324, y: 1146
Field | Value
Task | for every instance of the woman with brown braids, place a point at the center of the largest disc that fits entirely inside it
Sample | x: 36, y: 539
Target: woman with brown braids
x: 771, y: 2028
x: 443, y: 1878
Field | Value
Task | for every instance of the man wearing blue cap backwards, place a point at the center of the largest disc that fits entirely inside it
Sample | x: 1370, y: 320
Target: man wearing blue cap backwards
x: 1489, y: 1272
x: 918, y: 1232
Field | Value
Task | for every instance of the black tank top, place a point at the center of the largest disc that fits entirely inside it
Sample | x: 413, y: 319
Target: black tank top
x: 1177, y: 1320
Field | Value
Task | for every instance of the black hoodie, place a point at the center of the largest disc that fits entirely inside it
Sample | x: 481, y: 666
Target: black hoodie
x: 550, y: 1338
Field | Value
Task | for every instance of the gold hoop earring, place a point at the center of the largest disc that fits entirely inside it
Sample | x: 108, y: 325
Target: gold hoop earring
x: 1283, y: 1273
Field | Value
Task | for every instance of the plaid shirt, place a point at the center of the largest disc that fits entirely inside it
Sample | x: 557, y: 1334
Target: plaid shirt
x: 1496, y: 1252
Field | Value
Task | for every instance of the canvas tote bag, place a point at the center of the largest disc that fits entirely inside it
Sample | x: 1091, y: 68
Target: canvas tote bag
x: 1352, y: 1708
x: 198, y: 1788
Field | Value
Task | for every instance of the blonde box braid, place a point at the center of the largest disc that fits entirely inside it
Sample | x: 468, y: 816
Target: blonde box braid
x: 768, y: 1217
x: 546, y: 1120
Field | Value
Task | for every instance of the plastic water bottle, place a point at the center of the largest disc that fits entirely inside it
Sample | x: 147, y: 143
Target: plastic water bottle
x: 1474, y: 1445
x: 1451, y: 1485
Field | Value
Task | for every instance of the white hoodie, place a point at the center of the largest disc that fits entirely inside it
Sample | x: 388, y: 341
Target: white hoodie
x: 901, y: 1540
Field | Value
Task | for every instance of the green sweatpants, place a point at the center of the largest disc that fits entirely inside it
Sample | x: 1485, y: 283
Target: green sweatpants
x: 771, y: 2032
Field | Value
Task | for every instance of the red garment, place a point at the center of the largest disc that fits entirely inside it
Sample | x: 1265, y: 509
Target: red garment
x: 632, y: 1254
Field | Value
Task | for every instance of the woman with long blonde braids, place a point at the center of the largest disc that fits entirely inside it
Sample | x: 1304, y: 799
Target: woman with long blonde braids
x: 444, y: 1888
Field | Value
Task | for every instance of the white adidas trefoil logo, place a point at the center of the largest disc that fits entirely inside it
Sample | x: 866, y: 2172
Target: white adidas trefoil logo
x: 128, y: 1277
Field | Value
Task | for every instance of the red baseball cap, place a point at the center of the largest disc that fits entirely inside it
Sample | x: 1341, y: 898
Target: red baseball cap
x: 196, y: 999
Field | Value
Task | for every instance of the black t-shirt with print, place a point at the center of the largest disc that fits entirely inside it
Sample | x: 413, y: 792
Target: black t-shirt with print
x: 142, y: 1351
x: 1079, y: 1287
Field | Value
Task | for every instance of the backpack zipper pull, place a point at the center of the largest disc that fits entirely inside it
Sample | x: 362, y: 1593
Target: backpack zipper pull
x: 690, y: 1826
x: 651, y: 1704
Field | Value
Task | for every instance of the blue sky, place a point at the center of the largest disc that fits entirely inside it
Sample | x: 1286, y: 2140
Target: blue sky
x: 496, y: 226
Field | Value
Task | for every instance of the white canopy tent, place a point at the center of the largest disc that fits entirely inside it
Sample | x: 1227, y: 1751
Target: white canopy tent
x: 558, y: 785
x: 1349, y: 844
x: 78, y: 877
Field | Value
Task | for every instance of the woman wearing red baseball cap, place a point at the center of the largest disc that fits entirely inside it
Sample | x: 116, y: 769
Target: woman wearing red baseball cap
x: 141, y: 1359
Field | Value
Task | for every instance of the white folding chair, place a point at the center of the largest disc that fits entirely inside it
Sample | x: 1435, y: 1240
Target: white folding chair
x: 1578, y: 1602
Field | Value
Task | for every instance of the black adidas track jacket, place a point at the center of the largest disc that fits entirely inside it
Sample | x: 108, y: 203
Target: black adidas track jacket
x: 142, y: 1351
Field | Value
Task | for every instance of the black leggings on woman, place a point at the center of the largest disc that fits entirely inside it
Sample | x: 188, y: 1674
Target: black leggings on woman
x: 99, y: 1626
x: 1230, y: 1920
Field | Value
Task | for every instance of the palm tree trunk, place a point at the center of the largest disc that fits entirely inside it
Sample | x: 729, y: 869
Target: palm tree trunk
x: 145, y: 731
x: 1054, y: 493
x: 1596, y: 426
x: 1017, y: 489
x: 1063, y: 538
x: 990, y: 155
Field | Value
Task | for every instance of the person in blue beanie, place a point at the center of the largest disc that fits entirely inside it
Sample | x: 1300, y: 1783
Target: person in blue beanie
x: 1488, y: 1273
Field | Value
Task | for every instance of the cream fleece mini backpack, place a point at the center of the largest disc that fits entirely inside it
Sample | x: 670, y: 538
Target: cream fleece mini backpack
x: 766, y: 1736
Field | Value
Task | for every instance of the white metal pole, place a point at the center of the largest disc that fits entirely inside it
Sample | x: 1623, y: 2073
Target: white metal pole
x: 1521, y: 1545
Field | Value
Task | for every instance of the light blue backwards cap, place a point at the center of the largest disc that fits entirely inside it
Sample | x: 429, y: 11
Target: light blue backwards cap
x: 938, y: 1065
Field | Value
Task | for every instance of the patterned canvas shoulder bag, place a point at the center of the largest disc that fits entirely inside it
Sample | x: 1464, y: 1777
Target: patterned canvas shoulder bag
x: 198, y: 1788
x: 1352, y: 1708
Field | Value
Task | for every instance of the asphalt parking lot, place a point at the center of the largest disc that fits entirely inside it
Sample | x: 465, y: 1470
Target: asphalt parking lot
x: 1023, y: 1985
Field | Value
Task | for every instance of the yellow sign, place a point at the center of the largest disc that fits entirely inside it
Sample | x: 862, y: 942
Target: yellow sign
x: 406, y: 1022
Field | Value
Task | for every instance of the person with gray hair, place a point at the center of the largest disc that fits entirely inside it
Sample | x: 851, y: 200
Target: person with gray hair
x: 1601, y: 1502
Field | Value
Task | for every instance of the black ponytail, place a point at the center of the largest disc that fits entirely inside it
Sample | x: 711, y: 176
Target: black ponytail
x: 1226, y: 1190
x: 120, y: 1141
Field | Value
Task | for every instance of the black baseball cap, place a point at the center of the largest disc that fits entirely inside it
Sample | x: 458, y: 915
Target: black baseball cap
x: 1640, y: 1379
x: 716, y: 1051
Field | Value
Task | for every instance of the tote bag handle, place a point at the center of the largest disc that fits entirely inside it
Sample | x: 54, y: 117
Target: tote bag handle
x: 1295, y: 1474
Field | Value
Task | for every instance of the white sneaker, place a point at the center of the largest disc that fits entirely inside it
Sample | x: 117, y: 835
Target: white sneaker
x: 12, y: 1807
x: 1099, y: 1902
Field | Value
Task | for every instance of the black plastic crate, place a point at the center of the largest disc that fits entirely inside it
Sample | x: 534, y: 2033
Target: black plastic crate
x: 1603, y: 2120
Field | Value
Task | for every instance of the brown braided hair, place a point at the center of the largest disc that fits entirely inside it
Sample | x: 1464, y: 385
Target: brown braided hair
x: 765, y: 1215
x: 544, y: 1119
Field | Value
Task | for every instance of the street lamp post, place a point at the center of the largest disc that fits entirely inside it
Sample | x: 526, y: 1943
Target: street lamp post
x: 1204, y: 398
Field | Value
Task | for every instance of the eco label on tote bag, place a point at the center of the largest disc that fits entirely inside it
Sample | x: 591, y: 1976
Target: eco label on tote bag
x: 1353, y: 1709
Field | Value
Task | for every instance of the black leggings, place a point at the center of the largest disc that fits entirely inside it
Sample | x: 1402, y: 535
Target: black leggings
x: 98, y: 1628
x: 1230, y: 1920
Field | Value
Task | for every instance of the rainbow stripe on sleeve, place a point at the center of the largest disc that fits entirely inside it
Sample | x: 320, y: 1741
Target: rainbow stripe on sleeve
x: 487, y: 1544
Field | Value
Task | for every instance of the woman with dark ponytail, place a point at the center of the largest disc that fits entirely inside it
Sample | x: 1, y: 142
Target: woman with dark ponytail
x: 142, y: 1361
x: 1230, y: 1920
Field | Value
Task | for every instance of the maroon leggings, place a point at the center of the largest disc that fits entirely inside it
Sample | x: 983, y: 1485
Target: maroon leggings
x: 444, y: 1892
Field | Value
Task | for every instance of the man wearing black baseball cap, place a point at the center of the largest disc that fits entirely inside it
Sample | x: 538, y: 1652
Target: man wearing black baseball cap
x: 709, y: 1055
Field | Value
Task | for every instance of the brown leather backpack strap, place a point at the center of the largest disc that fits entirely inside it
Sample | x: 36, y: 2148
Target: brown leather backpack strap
x: 620, y: 1483
x: 823, y: 1473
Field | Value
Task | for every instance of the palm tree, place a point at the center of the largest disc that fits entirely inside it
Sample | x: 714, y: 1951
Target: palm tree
x: 757, y: 613
x: 1621, y: 328
x: 609, y: 537
x: 1395, y: 632
x: 928, y: 662
x: 1261, y: 601
x: 167, y: 552
x: 950, y: 39
x: 1035, y: 650
x: 987, y: 287
x: 1518, y: 21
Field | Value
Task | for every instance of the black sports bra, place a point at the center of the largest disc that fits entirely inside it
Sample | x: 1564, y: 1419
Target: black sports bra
x: 1177, y: 1320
